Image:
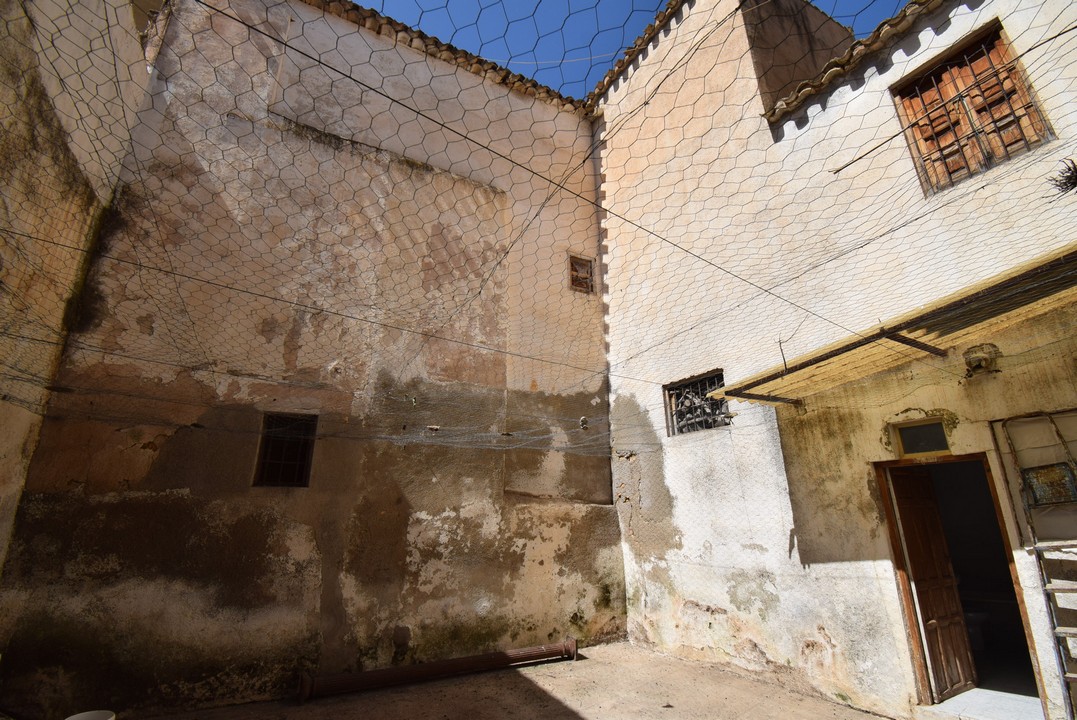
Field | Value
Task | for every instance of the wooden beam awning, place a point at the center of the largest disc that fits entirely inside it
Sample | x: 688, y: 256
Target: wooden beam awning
x: 930, y: 332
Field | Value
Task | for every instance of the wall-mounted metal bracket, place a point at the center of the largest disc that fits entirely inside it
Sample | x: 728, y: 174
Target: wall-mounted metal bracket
x: 915, y: 344
x: 765, y: 398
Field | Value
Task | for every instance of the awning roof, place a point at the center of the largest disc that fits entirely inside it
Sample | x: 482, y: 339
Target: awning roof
x: 920, y: 335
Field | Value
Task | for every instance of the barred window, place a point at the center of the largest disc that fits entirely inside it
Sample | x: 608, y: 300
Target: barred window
x: 689, y: 409
x: 287, y: 447
x: 970, y: 112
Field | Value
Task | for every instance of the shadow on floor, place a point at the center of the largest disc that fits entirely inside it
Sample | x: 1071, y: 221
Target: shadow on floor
x: 1007, y: 671
x: 486, y: 696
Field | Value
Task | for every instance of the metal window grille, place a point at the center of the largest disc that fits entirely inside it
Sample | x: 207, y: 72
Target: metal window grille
x: 970, y: 113
x: 581, y: 273
x: 287, y: 447
x: 688, y: 408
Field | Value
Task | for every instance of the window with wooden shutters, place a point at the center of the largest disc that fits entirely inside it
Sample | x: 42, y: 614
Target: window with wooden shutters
x: 971, y: 111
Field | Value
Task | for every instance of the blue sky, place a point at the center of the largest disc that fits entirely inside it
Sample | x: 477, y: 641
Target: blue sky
x: 568, y: 44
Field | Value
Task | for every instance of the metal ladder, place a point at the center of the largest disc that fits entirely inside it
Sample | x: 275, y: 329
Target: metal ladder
x: 1053, y: 553
x: 1064, y: 634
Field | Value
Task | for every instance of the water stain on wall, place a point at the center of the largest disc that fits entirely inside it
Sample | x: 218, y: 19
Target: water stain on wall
x: 751, y: 591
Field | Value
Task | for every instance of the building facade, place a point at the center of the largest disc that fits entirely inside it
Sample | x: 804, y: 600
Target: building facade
x: 363, y: 351
x: 847, y: 262
x: 316, y: 411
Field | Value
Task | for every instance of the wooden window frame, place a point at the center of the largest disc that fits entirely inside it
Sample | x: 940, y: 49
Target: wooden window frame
x: 580, y: 280
x: 899, y: 445
x: 969, y: 110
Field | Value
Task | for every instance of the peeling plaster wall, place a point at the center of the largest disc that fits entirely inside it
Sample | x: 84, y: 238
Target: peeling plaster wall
x: 836, y: 516
x: 775, y: 558
x: 146, y: 571
x: 56, y: 181
x: 761, y: 544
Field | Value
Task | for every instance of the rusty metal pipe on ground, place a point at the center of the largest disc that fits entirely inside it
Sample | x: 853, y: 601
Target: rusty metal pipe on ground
x: 312, y: 687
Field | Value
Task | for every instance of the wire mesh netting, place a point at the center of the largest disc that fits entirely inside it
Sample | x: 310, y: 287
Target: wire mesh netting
x: 317, y: 197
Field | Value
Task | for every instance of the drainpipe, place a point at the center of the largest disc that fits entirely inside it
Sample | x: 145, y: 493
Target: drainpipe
x: 312, y: 687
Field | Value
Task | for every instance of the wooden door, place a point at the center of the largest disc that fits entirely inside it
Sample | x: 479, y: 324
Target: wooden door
x: 942, y: 620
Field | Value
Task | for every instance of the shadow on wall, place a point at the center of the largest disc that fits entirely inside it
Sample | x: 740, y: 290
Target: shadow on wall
x: 131, y: 631
x: 644, y: 502
x: 833, y: 492
x: 176, y: 590
x: 146, y: 573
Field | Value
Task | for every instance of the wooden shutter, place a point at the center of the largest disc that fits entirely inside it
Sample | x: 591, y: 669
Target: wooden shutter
x: 941, y: 128
x: 969, y: 113
x: 1001, y: 104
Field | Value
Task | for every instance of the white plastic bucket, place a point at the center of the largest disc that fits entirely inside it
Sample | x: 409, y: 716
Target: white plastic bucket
x: 94, y: 715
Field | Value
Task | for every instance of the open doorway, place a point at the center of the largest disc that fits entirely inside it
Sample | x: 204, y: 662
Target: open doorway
x: 950, y: 549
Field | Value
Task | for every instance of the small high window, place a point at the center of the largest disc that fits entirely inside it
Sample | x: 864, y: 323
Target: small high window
x: 921, y: 437
x: 581, y: 274
x: 689, y: 409
x: 969, y: 112
x: 287, y: 447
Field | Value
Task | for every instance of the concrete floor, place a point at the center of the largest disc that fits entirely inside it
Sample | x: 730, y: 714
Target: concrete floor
x: 609, y: 682
x: 981, y: 704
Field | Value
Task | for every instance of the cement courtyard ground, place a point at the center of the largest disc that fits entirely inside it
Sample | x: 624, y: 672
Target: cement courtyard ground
x: 618, y: 681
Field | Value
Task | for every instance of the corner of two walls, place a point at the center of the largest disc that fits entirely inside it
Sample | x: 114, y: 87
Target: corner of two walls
x: 64, y: 136
x: 714, y: 564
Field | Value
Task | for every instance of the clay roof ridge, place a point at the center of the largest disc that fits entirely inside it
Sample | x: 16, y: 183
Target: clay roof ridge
x: 887, y: 31
x: 417, y: 40
x: 631, y: 53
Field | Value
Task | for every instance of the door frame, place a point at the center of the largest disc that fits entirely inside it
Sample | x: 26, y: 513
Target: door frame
x: 901, y: 570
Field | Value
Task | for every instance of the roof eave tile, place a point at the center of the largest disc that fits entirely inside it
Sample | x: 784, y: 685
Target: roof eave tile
x: 883, y: 35
x: 419, y: 41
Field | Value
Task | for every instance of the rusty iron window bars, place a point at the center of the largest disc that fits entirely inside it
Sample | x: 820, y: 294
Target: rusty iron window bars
x: 688, y: 408
x: 970, y: 113
x: 581, y: 274
x: 286, y: 450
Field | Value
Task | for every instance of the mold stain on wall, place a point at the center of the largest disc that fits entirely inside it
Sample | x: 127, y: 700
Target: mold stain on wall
x: 147, y: 573
x: 51, y: 213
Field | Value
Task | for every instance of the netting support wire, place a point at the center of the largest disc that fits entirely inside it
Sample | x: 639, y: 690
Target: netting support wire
x: 535, y: 173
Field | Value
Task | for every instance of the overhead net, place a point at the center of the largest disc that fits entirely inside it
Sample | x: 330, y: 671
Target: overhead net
x: 284, y: 200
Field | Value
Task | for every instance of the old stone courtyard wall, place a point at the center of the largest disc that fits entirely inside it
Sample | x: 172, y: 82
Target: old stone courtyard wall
x: 760, y: 544
x: 326, y: 213
x: 781, y: 563
x: 62, y: 138
x: 302, y: 228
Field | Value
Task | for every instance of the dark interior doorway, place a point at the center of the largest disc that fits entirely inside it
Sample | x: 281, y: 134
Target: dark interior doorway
x: 965, y: 530
x: 978, y: 554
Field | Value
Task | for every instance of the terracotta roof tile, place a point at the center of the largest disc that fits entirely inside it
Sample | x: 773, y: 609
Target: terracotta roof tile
x: 420, y: 41
x: 633, y: 51
x: 402, y: 34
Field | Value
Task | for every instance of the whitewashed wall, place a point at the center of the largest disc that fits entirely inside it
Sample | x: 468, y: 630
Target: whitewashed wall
x: 758, y: 236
